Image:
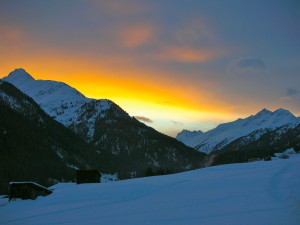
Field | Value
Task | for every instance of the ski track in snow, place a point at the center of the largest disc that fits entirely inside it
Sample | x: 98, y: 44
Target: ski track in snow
x: 248, y: 193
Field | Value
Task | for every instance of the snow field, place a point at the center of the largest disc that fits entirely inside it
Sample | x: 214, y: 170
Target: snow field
x: 248, y: 193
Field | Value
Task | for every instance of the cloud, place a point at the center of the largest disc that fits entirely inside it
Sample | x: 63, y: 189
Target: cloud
x: 189, y: 54
x: 254, y: 63
x: 8, y: 33
x: 123, y: 8
x: 136, y: 35
x: 291, y: 91
x: 247, y: 66
x: 196, y: 31
x: 286, y: 98
x: 176, y: 122
x: 144, y: 119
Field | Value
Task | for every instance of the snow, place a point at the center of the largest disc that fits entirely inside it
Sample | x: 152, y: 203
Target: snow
x: 12, y: 102
x: 29, y: 182
x: 72, y: 166
x: 62, y: 102
x: 225, y: 133
x: 286, y: 154
x: 186, y: 134
x: 107, y: 177
x: 250, y: 193
x: 289, y: 151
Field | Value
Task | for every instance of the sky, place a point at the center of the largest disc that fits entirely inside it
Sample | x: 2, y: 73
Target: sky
x: 174, y: 65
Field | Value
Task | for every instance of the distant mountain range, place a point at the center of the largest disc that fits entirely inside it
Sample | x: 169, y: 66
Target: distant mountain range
x: 234, y: 135
x: 98, y: 134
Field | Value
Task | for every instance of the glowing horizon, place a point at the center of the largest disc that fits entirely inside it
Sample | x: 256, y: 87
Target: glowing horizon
x: 180, y: 70
x: 172, y: 108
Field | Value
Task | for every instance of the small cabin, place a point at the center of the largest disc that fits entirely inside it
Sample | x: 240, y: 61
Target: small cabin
x: 88, y: 176
x: 27, y: 190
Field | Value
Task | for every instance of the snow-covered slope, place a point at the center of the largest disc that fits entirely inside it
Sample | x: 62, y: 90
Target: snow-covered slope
x: 186, y: 135
x: 224, y: 134
x: 64, y: 103
x: 251, y: 193
x: 278, y: 140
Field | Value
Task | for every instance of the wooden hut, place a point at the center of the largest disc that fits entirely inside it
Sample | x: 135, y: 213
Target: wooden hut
x: 88, y: 176
x: 27, y: 190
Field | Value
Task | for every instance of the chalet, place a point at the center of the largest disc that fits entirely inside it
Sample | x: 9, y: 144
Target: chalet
x: 27, y: 190
x: 88, y: 176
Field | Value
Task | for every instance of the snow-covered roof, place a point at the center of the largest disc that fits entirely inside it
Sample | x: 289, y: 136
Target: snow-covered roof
x: 29, y: 182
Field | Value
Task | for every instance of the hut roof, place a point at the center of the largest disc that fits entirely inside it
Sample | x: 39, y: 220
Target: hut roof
x: 32, y: 183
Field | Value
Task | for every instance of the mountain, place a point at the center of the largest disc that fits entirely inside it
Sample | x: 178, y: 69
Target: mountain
x: 224, y: 134
x: 281, y: 138
x: 129, y: 146
x: 62, y: 102
x: 259, y: 146
x: 186, y: 135
x: 36, y: 147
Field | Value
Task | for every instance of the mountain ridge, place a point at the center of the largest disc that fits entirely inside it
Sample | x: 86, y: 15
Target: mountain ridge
x: 224, y: 134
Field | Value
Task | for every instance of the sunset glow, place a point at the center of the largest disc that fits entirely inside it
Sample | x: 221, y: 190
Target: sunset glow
x: 186, y: 72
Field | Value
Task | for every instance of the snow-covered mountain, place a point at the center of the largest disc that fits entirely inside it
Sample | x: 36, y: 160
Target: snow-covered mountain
x: 186, y: 134
x: 131, y: 146
x: 64, y: 103
x: 284, y: 137
x: 256, y: 125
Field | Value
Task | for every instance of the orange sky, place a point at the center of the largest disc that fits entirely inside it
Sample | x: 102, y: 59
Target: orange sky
x: 166, y: 102
x: 183, y: 66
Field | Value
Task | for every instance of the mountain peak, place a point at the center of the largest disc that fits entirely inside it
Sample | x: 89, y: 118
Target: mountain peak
x: 278, y: 112
x: 283, y: 112
x: 18, y: 75
x: 186, y: 134
x: 185, y: 131
x: 264, y: 112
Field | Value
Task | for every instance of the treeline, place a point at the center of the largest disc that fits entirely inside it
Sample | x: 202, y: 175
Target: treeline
x: 160, y: 171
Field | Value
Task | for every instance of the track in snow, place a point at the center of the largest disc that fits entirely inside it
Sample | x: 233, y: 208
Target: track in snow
x: 249, y: 193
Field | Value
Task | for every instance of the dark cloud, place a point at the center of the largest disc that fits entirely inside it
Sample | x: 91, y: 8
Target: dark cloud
x: 291, y: 91
x: 254, y: 63
x: 248, y: 67
x: 176, y: 122
x: 144, y: 119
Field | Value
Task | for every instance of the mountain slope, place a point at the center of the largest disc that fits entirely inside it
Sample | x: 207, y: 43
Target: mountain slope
x: 244, y: 148
x: 62, y: 102
x: 224, y: 134
x: 287, y: 136
x: 34, y: 146
x: 185, y: 135
x: 250, y: 193
x: 130, y: 145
